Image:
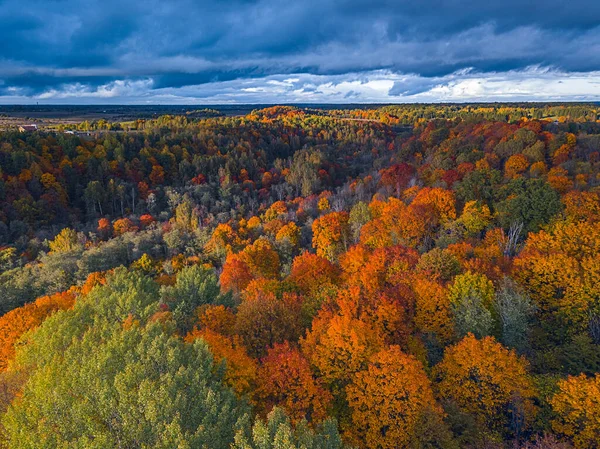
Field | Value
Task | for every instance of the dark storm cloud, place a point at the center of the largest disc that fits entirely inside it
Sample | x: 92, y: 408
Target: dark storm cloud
x: 50, y: 44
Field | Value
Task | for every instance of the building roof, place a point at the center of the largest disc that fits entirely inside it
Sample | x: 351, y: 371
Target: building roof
x: 27, y: 127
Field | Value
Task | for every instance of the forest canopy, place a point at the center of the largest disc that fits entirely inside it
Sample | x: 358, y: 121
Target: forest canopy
x: 403, y: 276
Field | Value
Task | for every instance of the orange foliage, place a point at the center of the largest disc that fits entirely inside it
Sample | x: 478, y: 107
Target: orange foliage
x: 395, y: 223
x: 272, y: 227
x: 560, y: 270
x: 264, y: 320
x: 223, y: 241
x: 485, y: 379
x: 442, y: 201
x: 93, y: 279
x: 285, y: 380
x: 18, y: 321
x: 236, y: 275
x: 277, y: 208
x: 339, y: 344
x: 104, y: 227
x: 582, y: 205
x: 577, y: 410
x: 559, y: 180
x: 331, y: 234
x: 384, y: 267
x: 219, y: 319
x: 146, y: 220
x: 515, y: 166
x: 388, y: 399
x: 311, y: 272
x: 289, y: 232
x: 240, y: 369
x: 433, y: 312
x: 123, y: 225
x: 262, y: 259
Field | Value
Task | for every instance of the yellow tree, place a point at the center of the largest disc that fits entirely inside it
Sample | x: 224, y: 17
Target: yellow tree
x: 289, y: 232
x: 433, y: 313
x: 486, y: 381
x: 476, y: 217
x: 65, y: 241
x: 577, y: 409
x: 223, y: 240
x: 560, y: 270
x: 389, y: 398
x: 331, y: 234
x: 470, y: 283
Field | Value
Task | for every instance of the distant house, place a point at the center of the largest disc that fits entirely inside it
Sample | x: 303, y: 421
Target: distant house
x: 27, y: 128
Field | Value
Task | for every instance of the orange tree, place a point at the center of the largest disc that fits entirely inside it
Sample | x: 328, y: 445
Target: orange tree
x: 286, y: 380
x: 433, y: 313
x: 236, y: 275
x: 265, y: 320
x: 262, y: 259
x: 577, y: 409
x: 311, y: 272
x: 388, y: 398
x: 240, y: 368
x: 559, y: 268
x: 486, y: 381
x: 339, y: 344
x: 18, y: 321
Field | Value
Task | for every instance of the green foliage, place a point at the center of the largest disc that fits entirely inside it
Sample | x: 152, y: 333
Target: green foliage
x: 471, y: 316
x: 139, y: 387
x: 103, y: 375
x: 277, y: 432
x: 516, y: 312
x: 303, y: 171
x: 479, y: 185
x: 359, y: 215
x: 195, y: 286
x: 529, y: 201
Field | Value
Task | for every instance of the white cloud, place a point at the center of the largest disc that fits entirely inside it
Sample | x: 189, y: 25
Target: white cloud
x: 531, y: 84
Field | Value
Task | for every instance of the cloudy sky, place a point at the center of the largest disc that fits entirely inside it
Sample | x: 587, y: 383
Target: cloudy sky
x: 302, y: 51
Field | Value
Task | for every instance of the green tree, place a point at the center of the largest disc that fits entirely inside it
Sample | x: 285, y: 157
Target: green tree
x: 516, y: 311
x: 140, y: 387
x: 277, y: 432
x: 194, y: 286
x: 359, y: 215
x: 530, y: 201
x: 303, y: 173
x: 107, y: 374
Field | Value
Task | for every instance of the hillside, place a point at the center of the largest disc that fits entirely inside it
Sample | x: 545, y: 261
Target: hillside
x: 400, y: 276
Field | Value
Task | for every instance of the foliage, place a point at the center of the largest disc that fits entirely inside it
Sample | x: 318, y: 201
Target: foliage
x: 578, y: 410
x: 277, y: 432
x: 138, y: 387
x: 286, y: 380
x: 324, y: 256
x: 487, y: 381
x: 194, y: 286
x: 388, y: 399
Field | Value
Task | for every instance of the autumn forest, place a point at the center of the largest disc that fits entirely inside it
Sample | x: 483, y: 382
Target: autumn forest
x: 401, y: 276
